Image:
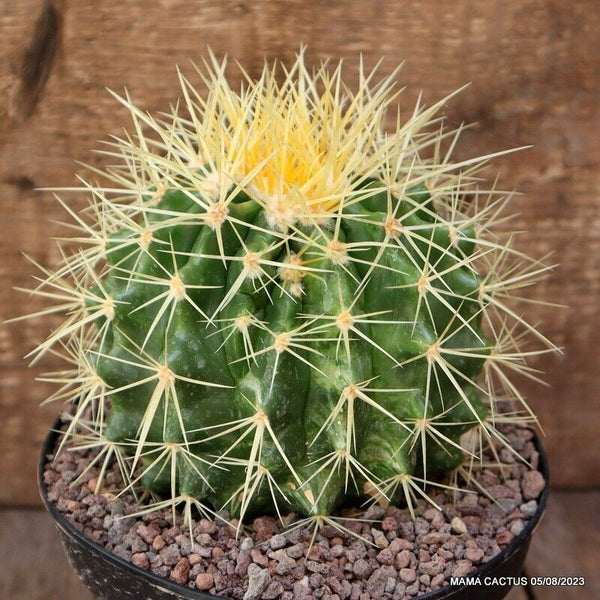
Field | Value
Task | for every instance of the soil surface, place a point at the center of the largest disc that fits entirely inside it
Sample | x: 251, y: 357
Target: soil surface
x: 396, y: 557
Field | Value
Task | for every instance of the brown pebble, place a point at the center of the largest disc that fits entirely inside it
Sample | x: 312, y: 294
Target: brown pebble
x: 389, y: 524
x: 138, y: 545
x: 277, y: 541
x: 259, y: 558
x: 148, y: 532
x: 158, y: 543
x: 528, y: 509
x: 140, y: 559
x: 472, y: 523
x: 468, y: 500
x: 315, y: 553
x: 504, y: 537
x: 431, y: 567
x: 444, y: 554
x: 500, y: 491
x: 408, y: 575
x: 516, y: 527
x: 424, y: 555
x: 171, y: 555
x: 72, y: 505
x: 534, y: 459
x: 515, y: 515
x: 205, y: 526
x: 204, y: 581
x: 386, y: 557
x: 458, y: 525
x: 403, y: 559
x: 532, y: 485
x: 361, y: 568
x: 242, y: 563
x: 462, y: 568
x: 436, y: 537
x: 379, y: 538
x: 274, y: 590
x: 475, y: 555
x: 297, y: 550
x: 180, y: 571
x: 435, y: 516
x: 404, y: 544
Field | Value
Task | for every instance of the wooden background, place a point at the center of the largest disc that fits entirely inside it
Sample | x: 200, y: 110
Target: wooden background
x: 534, y: 68
x: 535, y: 72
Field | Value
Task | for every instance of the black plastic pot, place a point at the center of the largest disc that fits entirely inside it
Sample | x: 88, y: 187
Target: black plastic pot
x: 110, y: 577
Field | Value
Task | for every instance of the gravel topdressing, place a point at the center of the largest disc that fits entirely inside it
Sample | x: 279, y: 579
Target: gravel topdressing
x: 400, y: 558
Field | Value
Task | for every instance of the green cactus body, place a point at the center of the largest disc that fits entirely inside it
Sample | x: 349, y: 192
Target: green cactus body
x: 283, y: 307
x: 295, y: 405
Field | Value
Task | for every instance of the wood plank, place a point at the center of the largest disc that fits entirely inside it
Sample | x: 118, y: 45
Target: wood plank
x: 517, y: 593
x: 33, y: 565
x: 534, y: 68
x: 566, y: 544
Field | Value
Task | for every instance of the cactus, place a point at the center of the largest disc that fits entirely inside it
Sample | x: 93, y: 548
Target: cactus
x: 273, y: 305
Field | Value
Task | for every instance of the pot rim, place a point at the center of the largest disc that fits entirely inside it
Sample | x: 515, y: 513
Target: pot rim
x: 193, y: 594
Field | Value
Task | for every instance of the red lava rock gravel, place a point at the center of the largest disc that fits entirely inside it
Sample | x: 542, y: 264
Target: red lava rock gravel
x: 399, y: 558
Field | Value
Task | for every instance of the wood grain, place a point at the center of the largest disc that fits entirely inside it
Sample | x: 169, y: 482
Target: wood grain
x: 33, y: 565
x: 534, y: 66
x: 566, y: 544
x: 517, y: 593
